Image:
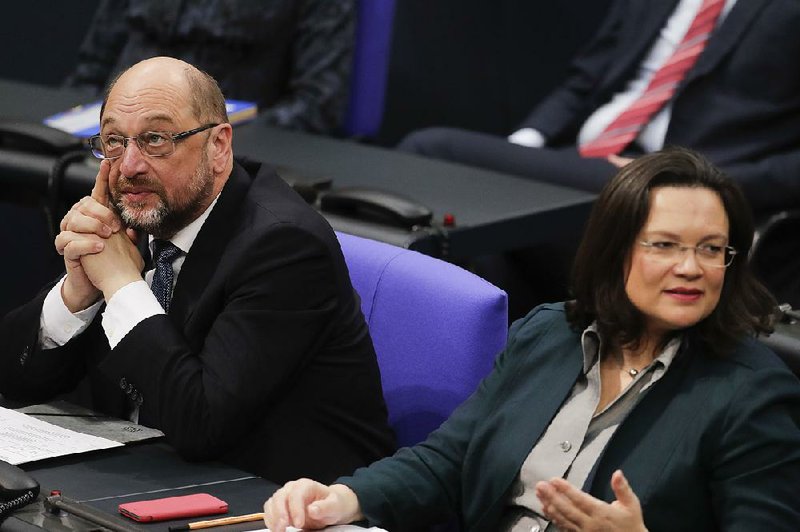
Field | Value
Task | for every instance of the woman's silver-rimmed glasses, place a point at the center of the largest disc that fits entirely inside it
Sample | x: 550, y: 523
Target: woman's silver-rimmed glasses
x: 710, y: 255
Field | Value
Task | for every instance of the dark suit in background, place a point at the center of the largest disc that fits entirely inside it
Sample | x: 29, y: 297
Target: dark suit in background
x: 292, y: 57
x: 713, y: 445
x: 264, y: 358
x: 740, y: 105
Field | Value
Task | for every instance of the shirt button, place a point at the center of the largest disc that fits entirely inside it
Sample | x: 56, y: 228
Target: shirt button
x: 535, y: 528
x: 565, y: 446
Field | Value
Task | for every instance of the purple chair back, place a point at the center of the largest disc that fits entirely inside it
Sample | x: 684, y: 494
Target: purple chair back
x: 370, y: 67
x: 436, y: 328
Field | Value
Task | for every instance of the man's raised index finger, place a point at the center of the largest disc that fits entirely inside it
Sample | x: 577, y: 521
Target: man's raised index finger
x: 100, y: 189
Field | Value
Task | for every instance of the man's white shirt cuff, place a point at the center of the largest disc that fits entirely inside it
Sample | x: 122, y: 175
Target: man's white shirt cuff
x: 527, y: 137
x: 130, y: 305
x: 57, y: 325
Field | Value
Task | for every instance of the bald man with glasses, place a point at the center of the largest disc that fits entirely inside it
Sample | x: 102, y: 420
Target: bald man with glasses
x: 234, y: 315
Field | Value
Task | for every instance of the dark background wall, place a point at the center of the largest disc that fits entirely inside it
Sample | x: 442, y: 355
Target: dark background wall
x: 480, y: 64
x: 39, y: 41
x: 40, y: 38
x: 477, y: 64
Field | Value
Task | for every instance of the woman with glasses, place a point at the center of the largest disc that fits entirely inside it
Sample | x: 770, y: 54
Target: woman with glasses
x: 645, y: 403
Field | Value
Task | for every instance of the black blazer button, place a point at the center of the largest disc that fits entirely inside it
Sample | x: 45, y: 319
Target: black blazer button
x: 24, y: 356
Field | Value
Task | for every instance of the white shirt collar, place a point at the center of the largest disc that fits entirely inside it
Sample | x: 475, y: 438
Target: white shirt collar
x: 184, y: 238
x: 592, y: 345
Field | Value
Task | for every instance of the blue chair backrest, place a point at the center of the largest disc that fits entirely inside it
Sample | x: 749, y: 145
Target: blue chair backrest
x: 370, y: 67
x: 436, y: 328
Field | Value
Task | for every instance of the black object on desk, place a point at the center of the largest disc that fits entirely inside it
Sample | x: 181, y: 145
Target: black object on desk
x: 55, y: 504
x: 98, y: 482
x: 372, y: 204
x: 17, y: 489
x: 28, y: 136
x: 785, y: 341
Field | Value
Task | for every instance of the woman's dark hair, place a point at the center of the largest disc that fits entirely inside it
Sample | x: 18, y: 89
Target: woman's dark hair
x: 598, y: 277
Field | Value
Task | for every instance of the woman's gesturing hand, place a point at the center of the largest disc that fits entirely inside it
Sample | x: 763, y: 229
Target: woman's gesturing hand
x: 573, y: 510
x: 308, y: 504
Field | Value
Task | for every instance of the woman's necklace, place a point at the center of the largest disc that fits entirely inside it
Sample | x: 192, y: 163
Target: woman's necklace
x: 633, y: 372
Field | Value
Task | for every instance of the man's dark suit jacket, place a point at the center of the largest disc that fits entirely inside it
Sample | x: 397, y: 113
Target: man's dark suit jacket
x: 264, y: 360
x: 739, y: 105
x: 713, y: 445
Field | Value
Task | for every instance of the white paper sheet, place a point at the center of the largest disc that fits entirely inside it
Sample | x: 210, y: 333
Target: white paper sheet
x: 26, y: 439
x: 337, y: 528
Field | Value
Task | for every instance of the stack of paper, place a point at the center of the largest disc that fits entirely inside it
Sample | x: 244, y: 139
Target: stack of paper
x: 26, y: 439
x: 85, y: 421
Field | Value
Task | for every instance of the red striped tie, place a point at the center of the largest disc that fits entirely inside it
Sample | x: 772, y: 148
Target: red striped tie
x: 626, y: 127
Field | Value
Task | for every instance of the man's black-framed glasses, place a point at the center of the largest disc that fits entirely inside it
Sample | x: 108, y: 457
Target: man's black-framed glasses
x: 152, y: 143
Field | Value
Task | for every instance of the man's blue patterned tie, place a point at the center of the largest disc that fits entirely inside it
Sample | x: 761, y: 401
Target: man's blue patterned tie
x: 164, y: 253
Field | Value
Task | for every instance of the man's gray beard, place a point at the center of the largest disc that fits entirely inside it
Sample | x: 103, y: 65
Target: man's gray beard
x: 148, y: 221
x: 163, y: 221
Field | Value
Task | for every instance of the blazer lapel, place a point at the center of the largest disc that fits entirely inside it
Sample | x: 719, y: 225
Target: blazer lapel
x: 741, y: 16
x: 207, y: 249
x: 525, y: 417
x: 646, y: 440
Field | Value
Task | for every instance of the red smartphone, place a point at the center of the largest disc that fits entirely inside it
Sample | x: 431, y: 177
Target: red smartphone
x: 195, y: 505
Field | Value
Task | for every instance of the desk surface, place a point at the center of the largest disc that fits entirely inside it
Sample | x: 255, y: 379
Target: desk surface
x: 104, y: 479
x: 493, y: 211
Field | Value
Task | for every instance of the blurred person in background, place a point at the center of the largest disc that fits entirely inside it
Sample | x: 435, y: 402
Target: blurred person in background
x: 291, y: 57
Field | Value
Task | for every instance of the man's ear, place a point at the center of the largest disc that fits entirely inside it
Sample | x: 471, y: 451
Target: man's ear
x: 221, y: 148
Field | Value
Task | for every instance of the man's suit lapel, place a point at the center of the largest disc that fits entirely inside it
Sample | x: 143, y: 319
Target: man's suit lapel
x: 741, y: 16
x: 143, y: 245
x: 206, y: 251
x: 637, y: 38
